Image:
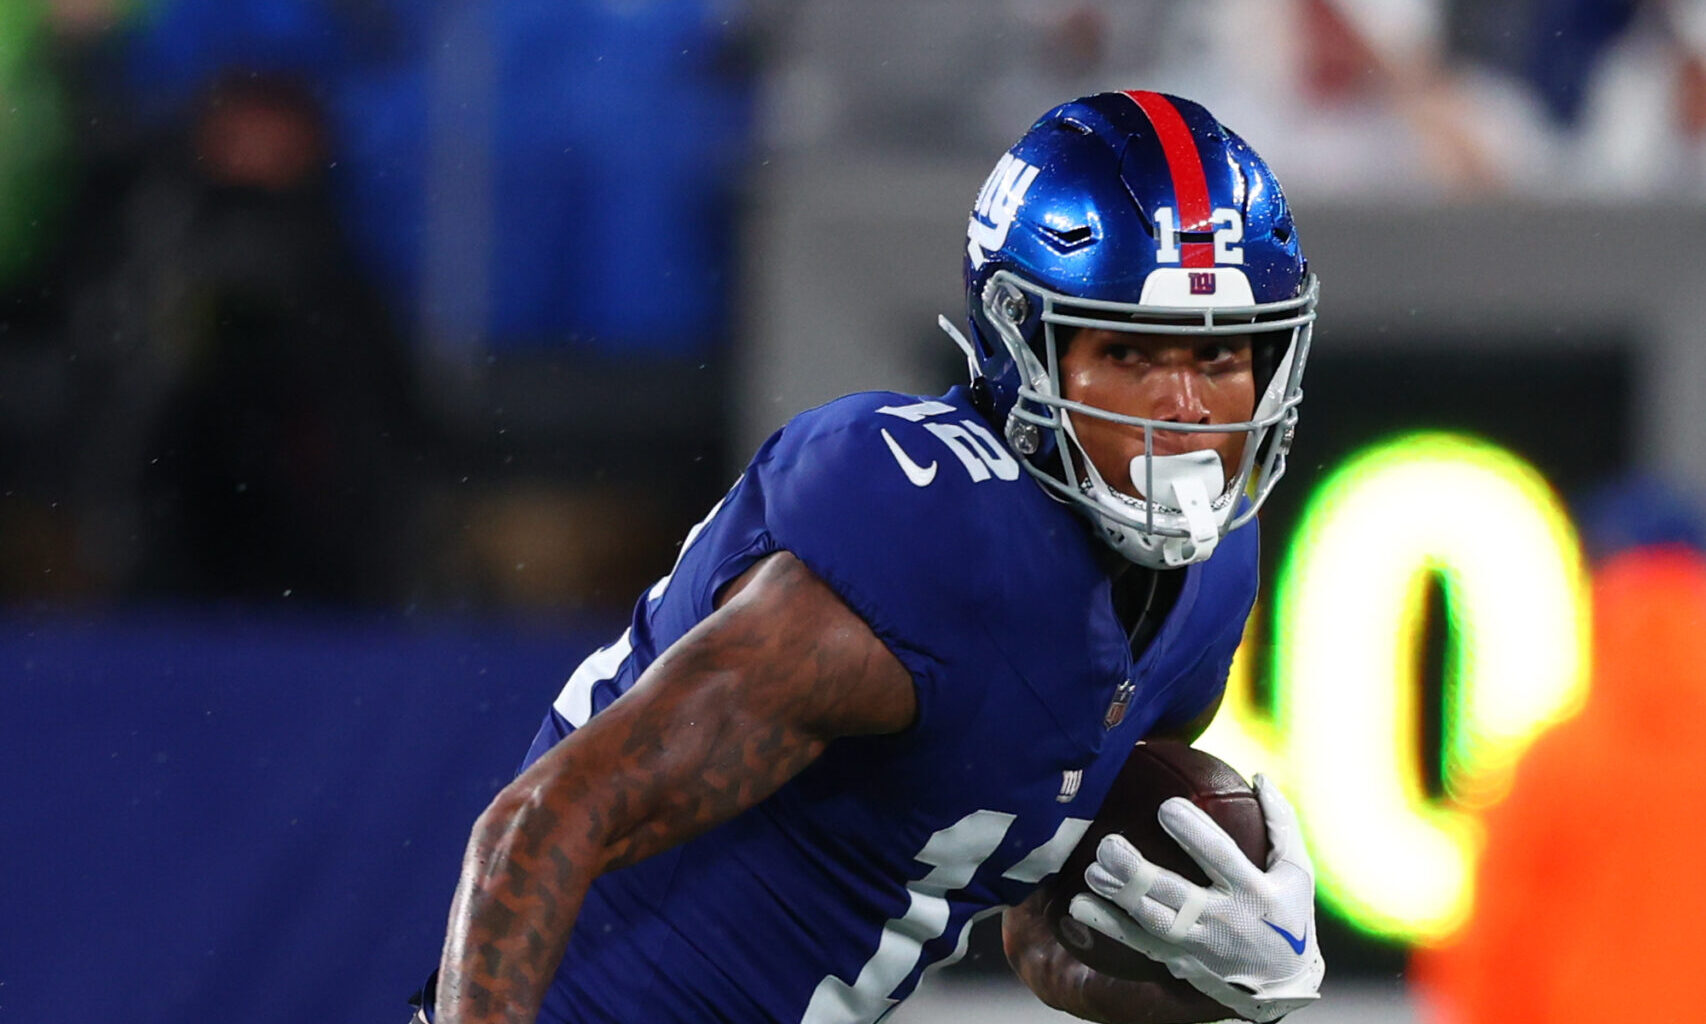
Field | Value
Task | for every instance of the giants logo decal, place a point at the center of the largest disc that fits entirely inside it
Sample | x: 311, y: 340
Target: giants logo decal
x: 1202, y: 282
x: 997, y: 204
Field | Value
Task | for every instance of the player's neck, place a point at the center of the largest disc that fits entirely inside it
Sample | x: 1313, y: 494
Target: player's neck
x: 1111, y: 561
x: 1142, y: 599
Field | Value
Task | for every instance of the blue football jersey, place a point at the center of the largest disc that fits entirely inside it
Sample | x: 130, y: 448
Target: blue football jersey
x: 825, y: 903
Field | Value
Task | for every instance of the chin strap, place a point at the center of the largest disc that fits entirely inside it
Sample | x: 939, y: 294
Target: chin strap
x: 960, y: 340
x: 1189, y: 482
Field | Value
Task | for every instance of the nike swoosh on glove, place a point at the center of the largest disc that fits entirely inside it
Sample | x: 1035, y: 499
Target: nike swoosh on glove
x: 1247, y: 940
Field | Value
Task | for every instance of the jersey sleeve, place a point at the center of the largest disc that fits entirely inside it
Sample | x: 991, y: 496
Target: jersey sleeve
x: 886, y: 513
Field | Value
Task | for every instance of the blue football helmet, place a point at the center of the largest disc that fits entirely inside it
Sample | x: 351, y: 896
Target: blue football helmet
x: 1137, y: 212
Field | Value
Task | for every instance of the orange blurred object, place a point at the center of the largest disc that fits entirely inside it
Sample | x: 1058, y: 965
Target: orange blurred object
x: 1591, y: 893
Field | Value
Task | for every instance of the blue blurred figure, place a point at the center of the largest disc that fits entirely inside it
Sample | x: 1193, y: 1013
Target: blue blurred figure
x: 518, y: 174
x: 1638, y: 510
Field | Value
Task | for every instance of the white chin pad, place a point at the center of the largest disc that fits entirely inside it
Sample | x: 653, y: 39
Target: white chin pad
x: 1189, y: 481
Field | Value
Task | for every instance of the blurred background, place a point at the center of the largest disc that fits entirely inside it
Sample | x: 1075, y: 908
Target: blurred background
x: 362, y: 360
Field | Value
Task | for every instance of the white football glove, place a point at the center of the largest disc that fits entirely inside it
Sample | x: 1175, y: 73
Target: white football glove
x: 1246, y: 941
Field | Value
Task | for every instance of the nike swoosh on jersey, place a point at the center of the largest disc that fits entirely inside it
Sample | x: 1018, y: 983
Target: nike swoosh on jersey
x: 1291, y: 940
x: 919, y: 475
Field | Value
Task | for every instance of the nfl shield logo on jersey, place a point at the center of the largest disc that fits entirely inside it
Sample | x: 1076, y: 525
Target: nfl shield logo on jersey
x: 1117, y: 706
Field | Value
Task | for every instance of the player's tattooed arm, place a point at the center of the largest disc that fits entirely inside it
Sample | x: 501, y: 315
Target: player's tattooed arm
x: 721, y: 720
x: 1063, y: 982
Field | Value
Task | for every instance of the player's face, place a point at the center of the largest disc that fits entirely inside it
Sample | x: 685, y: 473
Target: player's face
x: 1159, y: 377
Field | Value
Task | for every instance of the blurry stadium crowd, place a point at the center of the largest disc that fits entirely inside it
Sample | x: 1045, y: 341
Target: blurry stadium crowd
x: 379, y: 302
x: 1420, y: 100
x: 396, y: 302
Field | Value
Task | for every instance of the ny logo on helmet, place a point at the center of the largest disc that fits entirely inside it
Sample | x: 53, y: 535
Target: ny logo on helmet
x: 997, y: 204
x: 1202, y: 282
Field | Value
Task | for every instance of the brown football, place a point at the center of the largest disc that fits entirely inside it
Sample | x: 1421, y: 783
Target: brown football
x: 1155, y: 771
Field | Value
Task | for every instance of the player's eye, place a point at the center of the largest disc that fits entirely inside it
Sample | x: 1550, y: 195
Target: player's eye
x: 1223, y: 354
x: 1123, y: 353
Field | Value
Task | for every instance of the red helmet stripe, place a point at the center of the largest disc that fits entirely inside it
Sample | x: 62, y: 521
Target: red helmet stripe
x: 1184, y: 163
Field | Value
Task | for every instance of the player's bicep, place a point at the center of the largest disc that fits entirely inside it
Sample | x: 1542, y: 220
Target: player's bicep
x: 728, y: 714
x: 1191, y: 730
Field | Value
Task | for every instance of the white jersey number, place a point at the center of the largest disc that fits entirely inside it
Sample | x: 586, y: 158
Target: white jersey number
x: 983, y: 456
x: 954, y: 855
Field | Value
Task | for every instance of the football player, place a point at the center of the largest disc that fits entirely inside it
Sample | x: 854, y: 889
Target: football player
x: 895, y: 670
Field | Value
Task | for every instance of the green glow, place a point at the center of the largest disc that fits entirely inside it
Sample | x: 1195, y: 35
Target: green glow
x: 1350, y: 601
x: 1242, y: 733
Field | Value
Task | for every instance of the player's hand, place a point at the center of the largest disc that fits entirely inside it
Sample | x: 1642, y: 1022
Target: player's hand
x: 1247, y: 940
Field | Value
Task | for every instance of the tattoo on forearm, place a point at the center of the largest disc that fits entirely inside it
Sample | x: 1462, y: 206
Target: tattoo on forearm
x: 719, y: 723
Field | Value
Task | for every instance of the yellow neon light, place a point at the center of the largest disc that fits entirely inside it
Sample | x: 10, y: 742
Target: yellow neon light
x: 1242, y: 733
x: 1349, y: 622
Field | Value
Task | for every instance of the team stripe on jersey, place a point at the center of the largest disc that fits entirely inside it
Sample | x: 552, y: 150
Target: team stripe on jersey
x: 1184, y: 163
x: 574, y: 703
